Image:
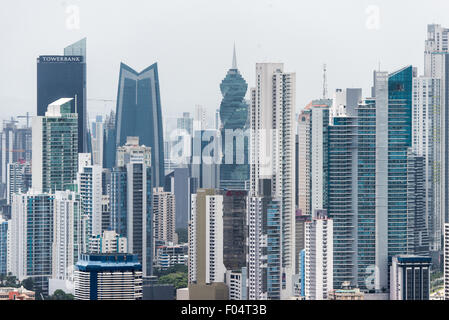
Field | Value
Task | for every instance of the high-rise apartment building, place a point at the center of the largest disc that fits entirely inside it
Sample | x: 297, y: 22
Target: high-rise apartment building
x: 109, y: 140
x: 108, y: 242
x: 89, y: 180
x: 319, y: 256
x: 55, y: 147
x: 205, y: 161
x: 15, y: 146
x: 206, y: 238
x: 97, y: 133
x: 180, y: 183
x: 436, y: 69
x: 272, y: 144
x: 19, y: 179
x: 131, y: 200
x: 3, y: 246
x: 206, y: 268
x: 164, y: 209
x: 32, y: 237
x: 139, y: 115
x: 67, y: 236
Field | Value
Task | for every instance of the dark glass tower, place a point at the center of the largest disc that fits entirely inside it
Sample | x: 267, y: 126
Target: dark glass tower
x: 65, y: 77
x: 234, y: 116
x: 139, y: 114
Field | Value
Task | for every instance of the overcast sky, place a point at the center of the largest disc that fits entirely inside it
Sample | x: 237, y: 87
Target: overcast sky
x: 192, y: 40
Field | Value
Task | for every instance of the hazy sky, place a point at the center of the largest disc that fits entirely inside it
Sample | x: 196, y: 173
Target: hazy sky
x: 192, y: 42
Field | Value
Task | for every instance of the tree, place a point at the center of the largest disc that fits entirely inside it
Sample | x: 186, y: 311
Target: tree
x: 61, y: 295
x: 28, y: 283
x: 10, y: 281
x: 178, y: 279
x: 174, y: 269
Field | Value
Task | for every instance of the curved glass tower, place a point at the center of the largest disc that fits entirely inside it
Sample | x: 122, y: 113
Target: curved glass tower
x: 139, y: 114
x: 234, y: 170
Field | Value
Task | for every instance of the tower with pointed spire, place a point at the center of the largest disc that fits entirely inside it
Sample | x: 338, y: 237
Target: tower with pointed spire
x: 234, y: 170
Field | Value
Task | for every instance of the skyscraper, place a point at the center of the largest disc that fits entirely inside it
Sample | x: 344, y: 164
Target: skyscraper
x: 15, y: 146
x: 164, y: 215
x: 206, y: 268
x: 436, y: 66
x: 109, y: 140
x: 273, y: 150
x: 55, y: 147
x: 205, y: 161
x: 97, y: 141
x: 89, y: 180
x: 65, y: 77
x: 139, y: 114
x: 19, y: 178
x: 32, y: 238
x: 319, y: 256
x: 234, y: 169
x: 427, y: 142
x: 3, y: 246
x: 66, y: 235
x: 131, y: 200
x: 180, y: 183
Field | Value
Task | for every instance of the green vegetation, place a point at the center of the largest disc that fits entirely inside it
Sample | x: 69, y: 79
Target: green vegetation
x: 176, y: 276
x: 9, y: 281
x: 60, y: 295
x: 182, y: 268
x: 178, y: 279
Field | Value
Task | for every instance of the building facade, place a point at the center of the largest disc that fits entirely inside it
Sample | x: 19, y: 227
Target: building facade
x: 139, y: 114
x: 108, y: 277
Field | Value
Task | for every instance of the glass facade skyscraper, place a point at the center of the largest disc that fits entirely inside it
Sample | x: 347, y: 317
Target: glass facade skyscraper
x: 65, y: 77
x: 3, y: 246
x: 234, y: 170
x: 55, y: 151
x: 400, y: 84
x: 139, y: 114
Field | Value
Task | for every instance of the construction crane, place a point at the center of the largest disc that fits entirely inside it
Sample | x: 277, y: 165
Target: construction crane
x: 27, y: 117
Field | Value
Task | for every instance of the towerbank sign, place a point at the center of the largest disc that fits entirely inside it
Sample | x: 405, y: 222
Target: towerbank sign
x: 59, y: 59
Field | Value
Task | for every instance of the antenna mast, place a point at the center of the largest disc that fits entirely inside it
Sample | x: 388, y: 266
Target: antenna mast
x: 324, y: 81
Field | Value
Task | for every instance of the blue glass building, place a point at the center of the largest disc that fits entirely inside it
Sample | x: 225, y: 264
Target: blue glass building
x: 273, y: 227
x: 234, y: 171
x: 139, y: 114
x: 109, y: 140
x: 65, y: 77
x: 3, y: 246
x: 400, y: 84
x: 366, y: 189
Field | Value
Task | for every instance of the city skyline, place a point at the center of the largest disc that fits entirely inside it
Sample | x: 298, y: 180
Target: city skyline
x: 343, y: 196
x: 371, y: 25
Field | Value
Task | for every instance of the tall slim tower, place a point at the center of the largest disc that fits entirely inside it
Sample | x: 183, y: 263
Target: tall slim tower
x: 234, y: 170
x: 272, y: 153
x: 436, y: 67
x: 134, y: 162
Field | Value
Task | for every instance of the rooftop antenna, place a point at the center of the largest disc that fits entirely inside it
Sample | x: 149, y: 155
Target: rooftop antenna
x: 234, y: 59
x: 324, y: 81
